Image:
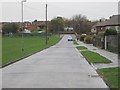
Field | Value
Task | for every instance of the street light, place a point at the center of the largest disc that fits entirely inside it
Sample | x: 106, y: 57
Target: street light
x: 22, y: 23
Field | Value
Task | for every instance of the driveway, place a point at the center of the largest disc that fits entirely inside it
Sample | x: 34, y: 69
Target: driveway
x: 60, y: 66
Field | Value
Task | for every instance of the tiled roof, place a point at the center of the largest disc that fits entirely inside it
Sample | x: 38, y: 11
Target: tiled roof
x: 114, y: 20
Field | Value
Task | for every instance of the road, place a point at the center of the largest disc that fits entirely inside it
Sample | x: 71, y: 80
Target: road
x: 60, y: 66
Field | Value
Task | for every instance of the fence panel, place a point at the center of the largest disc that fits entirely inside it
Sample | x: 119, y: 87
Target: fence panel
x: 112, y: 43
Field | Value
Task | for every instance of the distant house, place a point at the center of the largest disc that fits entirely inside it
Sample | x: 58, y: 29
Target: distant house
x: 36, y: 25
x: 100, y: 26
x: 26, y: 31
x: 68, y: 29
x: 94, y: 30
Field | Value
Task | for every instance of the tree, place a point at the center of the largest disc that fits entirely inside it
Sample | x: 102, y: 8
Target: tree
x: 81, y: 24
x: 110, y: 32
x: 10, y: 27
x: 68, y: 22
x: 57, y: 24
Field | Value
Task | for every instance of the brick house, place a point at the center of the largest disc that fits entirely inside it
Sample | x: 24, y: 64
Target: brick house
x: 102, y: 26
x: 108, y: 42
x: 114, y: 22
x: 99, y: 27
x: 36, y: 25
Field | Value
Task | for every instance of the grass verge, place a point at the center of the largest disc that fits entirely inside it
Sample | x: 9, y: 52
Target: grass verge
x: 81, y: 48
x: 111, y: 76
x: 93, y: 57
x: 11, y: 46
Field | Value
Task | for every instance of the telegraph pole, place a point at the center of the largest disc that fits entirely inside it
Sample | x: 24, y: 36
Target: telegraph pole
x: 46, y: 26
x: 22, y: 24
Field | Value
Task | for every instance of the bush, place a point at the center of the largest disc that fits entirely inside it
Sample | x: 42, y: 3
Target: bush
x: 88, y: 39
x: 110, y: 32
x: 75, y: 42
x: 10, y: 28
x: 82, y: 37
x: 101, y: 34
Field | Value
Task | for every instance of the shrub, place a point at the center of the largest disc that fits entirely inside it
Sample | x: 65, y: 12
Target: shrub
x: 101, y: 34
x: 10, y: 27
x: 82, y: 37
x: 88, y: 39
x: 75, y: 42
x: 110, y: 32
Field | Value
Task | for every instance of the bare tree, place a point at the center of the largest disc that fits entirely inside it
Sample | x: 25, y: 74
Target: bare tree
x: 81, y: 24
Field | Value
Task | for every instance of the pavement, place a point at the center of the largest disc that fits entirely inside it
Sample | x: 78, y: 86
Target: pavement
x: 60, y: 66
x: 111, y: 56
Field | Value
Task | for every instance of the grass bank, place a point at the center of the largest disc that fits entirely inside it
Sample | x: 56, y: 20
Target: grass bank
x: 111, y: 77
x: 11, y: 46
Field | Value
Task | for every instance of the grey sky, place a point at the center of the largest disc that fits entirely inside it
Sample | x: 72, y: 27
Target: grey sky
x: 11, y: 11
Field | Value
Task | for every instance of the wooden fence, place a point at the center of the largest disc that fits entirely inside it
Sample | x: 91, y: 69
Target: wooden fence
x: 109, y: 43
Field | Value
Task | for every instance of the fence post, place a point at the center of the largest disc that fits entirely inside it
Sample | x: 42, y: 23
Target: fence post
x: 105, y: 42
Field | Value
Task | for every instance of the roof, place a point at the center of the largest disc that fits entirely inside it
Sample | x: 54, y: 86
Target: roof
x: 113, y: 21
x: 102, y: 23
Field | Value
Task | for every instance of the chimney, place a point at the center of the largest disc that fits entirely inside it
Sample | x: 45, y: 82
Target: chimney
x: 105, y: 19
x: 100, y: 20
x: 110, y: 17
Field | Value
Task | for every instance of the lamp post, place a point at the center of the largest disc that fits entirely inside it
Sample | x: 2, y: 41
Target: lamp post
x: 22, y: 28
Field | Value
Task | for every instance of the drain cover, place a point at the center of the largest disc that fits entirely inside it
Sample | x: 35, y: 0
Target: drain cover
x: 93, y: 75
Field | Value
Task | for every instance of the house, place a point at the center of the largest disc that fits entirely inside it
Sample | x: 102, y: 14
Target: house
x: 68, y: 29
x: 103, y: 25
x: 31, y: 27
x: 100, y: 26
x: 108, y: 42
x: 94, y: 30
x: 36, y: 25
x: 114, y: 22
x: 26, y: 31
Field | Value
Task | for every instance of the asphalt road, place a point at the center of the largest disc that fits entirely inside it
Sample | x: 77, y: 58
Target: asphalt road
x: 60, y: 66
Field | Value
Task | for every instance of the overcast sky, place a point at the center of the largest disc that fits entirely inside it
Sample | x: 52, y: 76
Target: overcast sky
x: 11, y: 11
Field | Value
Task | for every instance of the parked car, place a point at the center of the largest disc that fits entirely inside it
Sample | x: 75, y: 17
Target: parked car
x: 70, y: 38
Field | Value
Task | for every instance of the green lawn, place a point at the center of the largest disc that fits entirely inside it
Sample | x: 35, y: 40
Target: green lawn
x: 81, y: 48
x: 94, y: 57
x: 75, y: 42
x: 111, y: 76
x: 11, y: 46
